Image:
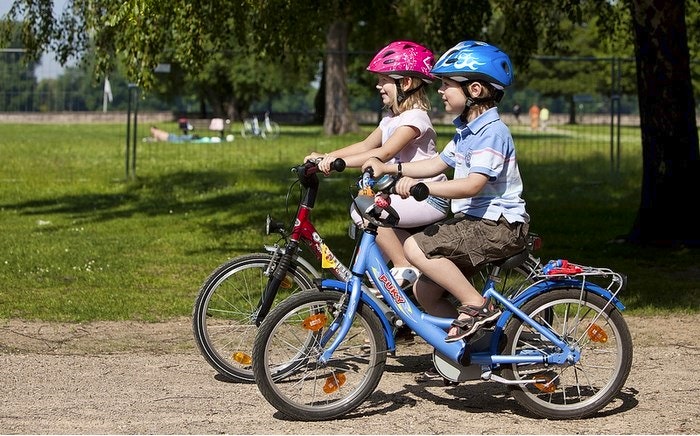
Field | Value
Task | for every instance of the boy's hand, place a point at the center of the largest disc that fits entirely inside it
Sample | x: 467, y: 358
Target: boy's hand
x: 404, y: 185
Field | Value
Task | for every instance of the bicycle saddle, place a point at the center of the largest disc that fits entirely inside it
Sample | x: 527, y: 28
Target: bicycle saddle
x: 379, y: 216
x: 513, y: 260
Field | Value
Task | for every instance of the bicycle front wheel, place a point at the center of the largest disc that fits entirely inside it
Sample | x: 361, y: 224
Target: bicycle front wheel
x: 568, y: 390
x: 289, y: 343
x: 224, y: 312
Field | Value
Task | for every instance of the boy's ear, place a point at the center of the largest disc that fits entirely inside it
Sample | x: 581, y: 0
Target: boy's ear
x: 475, y: 89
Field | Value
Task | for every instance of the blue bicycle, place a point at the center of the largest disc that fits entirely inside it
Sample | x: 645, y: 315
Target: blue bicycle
x: 561, y: 344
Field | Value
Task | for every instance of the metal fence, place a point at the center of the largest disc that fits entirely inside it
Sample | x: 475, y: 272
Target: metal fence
x: 588, y: 117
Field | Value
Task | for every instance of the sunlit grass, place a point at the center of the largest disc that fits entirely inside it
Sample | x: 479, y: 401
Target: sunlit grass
x: 84, y: 238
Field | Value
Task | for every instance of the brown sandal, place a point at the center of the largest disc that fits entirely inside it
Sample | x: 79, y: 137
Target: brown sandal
x: 476, y: 318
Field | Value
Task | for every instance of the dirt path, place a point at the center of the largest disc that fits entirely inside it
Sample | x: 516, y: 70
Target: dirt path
x: 131, y: 378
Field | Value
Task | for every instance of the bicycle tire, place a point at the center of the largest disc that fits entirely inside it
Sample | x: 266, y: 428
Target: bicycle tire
x: 286, y: 365
x: 223, y: 315
x: 577, y: 390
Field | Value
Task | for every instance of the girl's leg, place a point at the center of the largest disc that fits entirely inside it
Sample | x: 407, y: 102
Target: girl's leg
x: 391, y: 243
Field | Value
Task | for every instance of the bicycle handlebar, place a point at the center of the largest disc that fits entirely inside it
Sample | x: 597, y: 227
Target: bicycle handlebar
x: 387, y: 184
x: 311, y: 167
x: 420, y: 191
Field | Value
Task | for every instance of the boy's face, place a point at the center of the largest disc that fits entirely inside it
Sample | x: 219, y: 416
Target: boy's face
x: 452, y: 96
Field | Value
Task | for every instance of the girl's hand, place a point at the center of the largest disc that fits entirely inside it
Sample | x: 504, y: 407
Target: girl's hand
x: 378, y: 167
x: 313, y: 157
x: 326, y: 163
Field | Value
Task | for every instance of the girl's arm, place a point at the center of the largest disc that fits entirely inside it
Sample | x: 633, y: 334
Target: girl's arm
x: 372, y: 141
x: 356, y: 154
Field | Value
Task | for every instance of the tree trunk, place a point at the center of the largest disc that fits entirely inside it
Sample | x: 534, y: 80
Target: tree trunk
x: 572, y: 109
x: 671, y: 164
x: 338, y: 119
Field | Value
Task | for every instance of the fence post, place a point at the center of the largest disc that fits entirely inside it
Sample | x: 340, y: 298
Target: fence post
x: 615, y: 111
x: 130, y: 152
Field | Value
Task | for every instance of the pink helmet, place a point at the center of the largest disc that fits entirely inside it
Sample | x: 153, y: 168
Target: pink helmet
x: 403, y: 58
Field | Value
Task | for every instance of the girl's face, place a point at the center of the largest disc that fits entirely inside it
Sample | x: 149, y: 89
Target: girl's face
x: 452, y: 96
x: 387, y: 89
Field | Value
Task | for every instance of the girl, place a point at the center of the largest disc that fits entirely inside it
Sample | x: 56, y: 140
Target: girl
x: 405, y: 134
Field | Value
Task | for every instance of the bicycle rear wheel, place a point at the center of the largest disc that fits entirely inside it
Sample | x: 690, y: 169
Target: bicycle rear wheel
x: 579, y: 389
x: 224, y: 312
x: 289, y: 343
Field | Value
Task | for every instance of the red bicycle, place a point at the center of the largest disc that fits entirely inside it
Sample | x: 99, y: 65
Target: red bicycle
x: 238, y: 294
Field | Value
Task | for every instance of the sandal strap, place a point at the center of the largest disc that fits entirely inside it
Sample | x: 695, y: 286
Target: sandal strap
x: 472, y: 311
x: 463, y: 322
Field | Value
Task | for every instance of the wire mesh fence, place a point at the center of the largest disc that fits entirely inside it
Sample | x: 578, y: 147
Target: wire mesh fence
x: 585, y: 107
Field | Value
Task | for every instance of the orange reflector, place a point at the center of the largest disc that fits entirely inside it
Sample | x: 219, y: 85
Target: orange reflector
x: 287, y: 283
x: 334, y: 382
x: 597, y: 334
x: 242, y: 358
x: 547, y: 386
x: 315, y: 322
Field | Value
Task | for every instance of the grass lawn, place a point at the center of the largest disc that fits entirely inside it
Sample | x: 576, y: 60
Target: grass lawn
x: 82, y: 241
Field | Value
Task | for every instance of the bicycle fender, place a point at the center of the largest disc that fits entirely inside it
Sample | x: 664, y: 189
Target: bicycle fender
x: 376, y: 306
x: 550, y: 285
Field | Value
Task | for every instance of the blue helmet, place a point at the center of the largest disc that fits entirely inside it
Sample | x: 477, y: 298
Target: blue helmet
x: 475, y: 60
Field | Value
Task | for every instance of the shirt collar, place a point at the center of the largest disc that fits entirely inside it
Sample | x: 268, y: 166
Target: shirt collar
x: 464, y: 129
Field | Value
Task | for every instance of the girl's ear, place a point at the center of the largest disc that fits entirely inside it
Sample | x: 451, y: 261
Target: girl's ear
x: 406, y: 83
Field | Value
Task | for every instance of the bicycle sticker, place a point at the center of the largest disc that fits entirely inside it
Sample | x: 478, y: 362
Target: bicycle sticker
x: 327, y: 258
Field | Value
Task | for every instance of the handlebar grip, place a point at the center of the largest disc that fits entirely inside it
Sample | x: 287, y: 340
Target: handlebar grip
x: 338, y: 165
x: 420, y: 191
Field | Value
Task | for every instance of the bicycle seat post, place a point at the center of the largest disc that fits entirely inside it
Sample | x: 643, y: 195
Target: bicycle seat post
x: 495, y: 274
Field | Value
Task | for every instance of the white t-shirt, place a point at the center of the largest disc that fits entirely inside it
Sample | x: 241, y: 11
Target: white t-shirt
x: 421, y: 148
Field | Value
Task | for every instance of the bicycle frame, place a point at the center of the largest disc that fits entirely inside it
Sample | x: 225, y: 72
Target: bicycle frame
x: 303, y: 231
x: 431, y: 328
x: 560, y: 343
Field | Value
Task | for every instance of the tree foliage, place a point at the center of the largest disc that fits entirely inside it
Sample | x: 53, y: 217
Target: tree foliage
x: 19, y: 91
x: 289, y: 35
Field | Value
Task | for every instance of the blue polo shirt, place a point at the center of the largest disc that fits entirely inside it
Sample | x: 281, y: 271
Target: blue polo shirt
x: 486, y: 146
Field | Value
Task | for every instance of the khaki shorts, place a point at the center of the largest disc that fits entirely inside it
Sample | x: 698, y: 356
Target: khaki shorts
x: 470, y: 242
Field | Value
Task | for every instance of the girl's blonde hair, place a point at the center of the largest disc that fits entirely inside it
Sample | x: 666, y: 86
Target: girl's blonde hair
x: 417, y: 100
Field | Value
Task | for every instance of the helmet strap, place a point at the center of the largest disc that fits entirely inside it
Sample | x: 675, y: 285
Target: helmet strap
x: 402, y: 95
x: 495, y: 95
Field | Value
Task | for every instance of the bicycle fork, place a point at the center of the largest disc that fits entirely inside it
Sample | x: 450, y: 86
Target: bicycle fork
x: 278, y: 276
